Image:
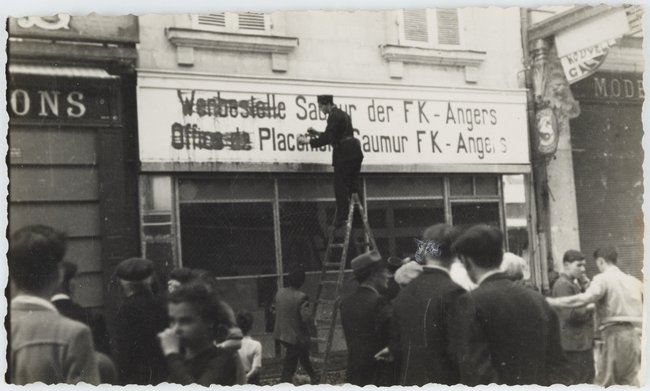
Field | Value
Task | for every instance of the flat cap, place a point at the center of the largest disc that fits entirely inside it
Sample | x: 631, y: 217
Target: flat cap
x: 365, y: 262
x: 134, y: 269
x: 325, y: 99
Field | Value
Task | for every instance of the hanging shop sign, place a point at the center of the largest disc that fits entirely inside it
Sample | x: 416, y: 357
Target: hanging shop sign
x: 547, y: 131
x: 584, y: 47
x: 236, y: 120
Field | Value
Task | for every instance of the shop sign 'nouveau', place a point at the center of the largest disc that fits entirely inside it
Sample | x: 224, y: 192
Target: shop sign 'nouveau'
x: 240, y: 121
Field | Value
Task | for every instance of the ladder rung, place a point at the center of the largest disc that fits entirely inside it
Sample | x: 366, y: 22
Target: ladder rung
x: 328, y: 282
x: 337, y: 245
x: 322, y: 320
x: 319, y: 340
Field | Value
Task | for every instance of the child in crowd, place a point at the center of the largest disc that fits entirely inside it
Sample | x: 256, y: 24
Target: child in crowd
x: 250, y: 352
x: 188, y: 343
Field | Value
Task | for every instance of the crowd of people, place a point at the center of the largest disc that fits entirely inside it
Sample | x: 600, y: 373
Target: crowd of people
x: 461, y: 311
x: 466, y: 313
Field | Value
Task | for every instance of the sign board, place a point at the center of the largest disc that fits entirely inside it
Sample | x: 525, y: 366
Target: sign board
x: 93, y: 28
x: 41, y: 99
x: 584, y: 62
x: 610, y: 87
x: 195, y: 119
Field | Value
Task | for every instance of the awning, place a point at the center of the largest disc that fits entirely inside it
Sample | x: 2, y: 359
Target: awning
x: 65, y: 71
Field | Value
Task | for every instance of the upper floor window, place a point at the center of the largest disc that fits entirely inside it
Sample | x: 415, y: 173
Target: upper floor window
x: 246, y: 22
x: 440, y: 27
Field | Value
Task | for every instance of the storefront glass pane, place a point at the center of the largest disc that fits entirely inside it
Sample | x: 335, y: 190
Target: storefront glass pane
x: 514, y: 200
x: 461, y: 185
x: 228, y: 239
x: 404, y: 220
x: 303, y: 228
x: 486, y: 185
x: 464, y: 215
x: 225, y: 189
x: 403, y: 186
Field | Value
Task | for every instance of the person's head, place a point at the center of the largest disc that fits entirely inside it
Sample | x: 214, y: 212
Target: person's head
x: 435, y: 246
x: 325, y: 103
x: 193, y: 315
x: 245, y: 321
x: 34, y: 256
x: 296, y: 278
x: 68, y: 272
x: 574, y: 263
x: 178, y: 277
x: 605, y: 256
x: 370, y: 269
x: 515, y: 267
x: 135, y: 274
x: 206, y: 278
x: 479, y: 249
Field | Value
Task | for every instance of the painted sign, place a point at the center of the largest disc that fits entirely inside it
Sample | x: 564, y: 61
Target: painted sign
x: 584, y: 62
x: 610, y: 87
x: 37, y: 99
x: 238, y: 120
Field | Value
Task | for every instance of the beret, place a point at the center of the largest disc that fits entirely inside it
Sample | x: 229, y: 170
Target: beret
x: 366, y: 261
x: 134, y: 269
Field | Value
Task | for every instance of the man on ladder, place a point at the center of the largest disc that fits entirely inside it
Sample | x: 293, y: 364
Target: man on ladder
x: 346, y: 154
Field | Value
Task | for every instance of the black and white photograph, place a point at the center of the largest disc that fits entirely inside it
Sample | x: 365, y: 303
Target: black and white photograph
x: 389, y: 194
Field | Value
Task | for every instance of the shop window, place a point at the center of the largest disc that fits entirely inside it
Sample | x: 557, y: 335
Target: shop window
x: 441, y: 27
x: 461, y: 185
x: 486, y: 185
x: 246, y: 22
x: 404, y: 221
x: 225, y: 189
x: 516, y: 211
x: 403, y: 186
x: 158, y: 228
x: 229, y: 239
x: 464, y: 215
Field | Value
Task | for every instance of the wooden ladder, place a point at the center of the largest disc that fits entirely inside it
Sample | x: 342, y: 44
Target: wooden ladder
x: 326, y: 307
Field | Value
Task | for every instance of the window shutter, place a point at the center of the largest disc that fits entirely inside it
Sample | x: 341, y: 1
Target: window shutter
x: 213, y: 20
x: 447, y: 23
x: 415, y: 25
x: 252, y: 21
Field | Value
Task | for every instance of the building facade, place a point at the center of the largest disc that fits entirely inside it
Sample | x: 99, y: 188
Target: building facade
x: 437, y: 97
x: 601, y: 203
x: 72, y: 140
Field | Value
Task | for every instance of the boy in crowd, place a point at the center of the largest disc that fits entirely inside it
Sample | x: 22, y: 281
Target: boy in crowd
x: 250, y: 352
x: 188, y: 343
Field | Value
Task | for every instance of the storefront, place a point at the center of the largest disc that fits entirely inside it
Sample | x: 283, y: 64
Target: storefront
x: 608, y: 165
x: 72, y: 155
x: 225, y: 187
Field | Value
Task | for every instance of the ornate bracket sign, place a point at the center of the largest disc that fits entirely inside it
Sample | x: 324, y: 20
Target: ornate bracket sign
x: 57, y: 22
x: 547, y: 131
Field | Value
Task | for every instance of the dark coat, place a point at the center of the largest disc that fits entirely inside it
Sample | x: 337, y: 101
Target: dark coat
x: 340, y: 135
x: 72, y: 310
x: 508, y: 334
x: 576, y: 324
x: 139, y: 357
x: 365, y: 316
x: 423, y: 315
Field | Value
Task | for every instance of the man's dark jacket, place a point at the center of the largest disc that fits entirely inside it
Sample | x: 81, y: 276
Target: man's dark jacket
x: 508, y: 334
x: 423, y: 315
x: 365, y: 316
x: 138, y: 353
x: 340, y: 135
x: 72, y: 310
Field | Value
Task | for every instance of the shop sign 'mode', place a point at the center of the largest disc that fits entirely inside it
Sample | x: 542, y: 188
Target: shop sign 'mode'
x: 241, y: 120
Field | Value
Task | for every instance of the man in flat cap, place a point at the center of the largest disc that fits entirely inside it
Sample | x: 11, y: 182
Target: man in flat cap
x: 366, y: 317
x: 346, y: 154
x: 140, y: 318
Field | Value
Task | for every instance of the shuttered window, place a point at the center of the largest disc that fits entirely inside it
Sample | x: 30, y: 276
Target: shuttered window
x: 431, y: 27
x: 251, y: 22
